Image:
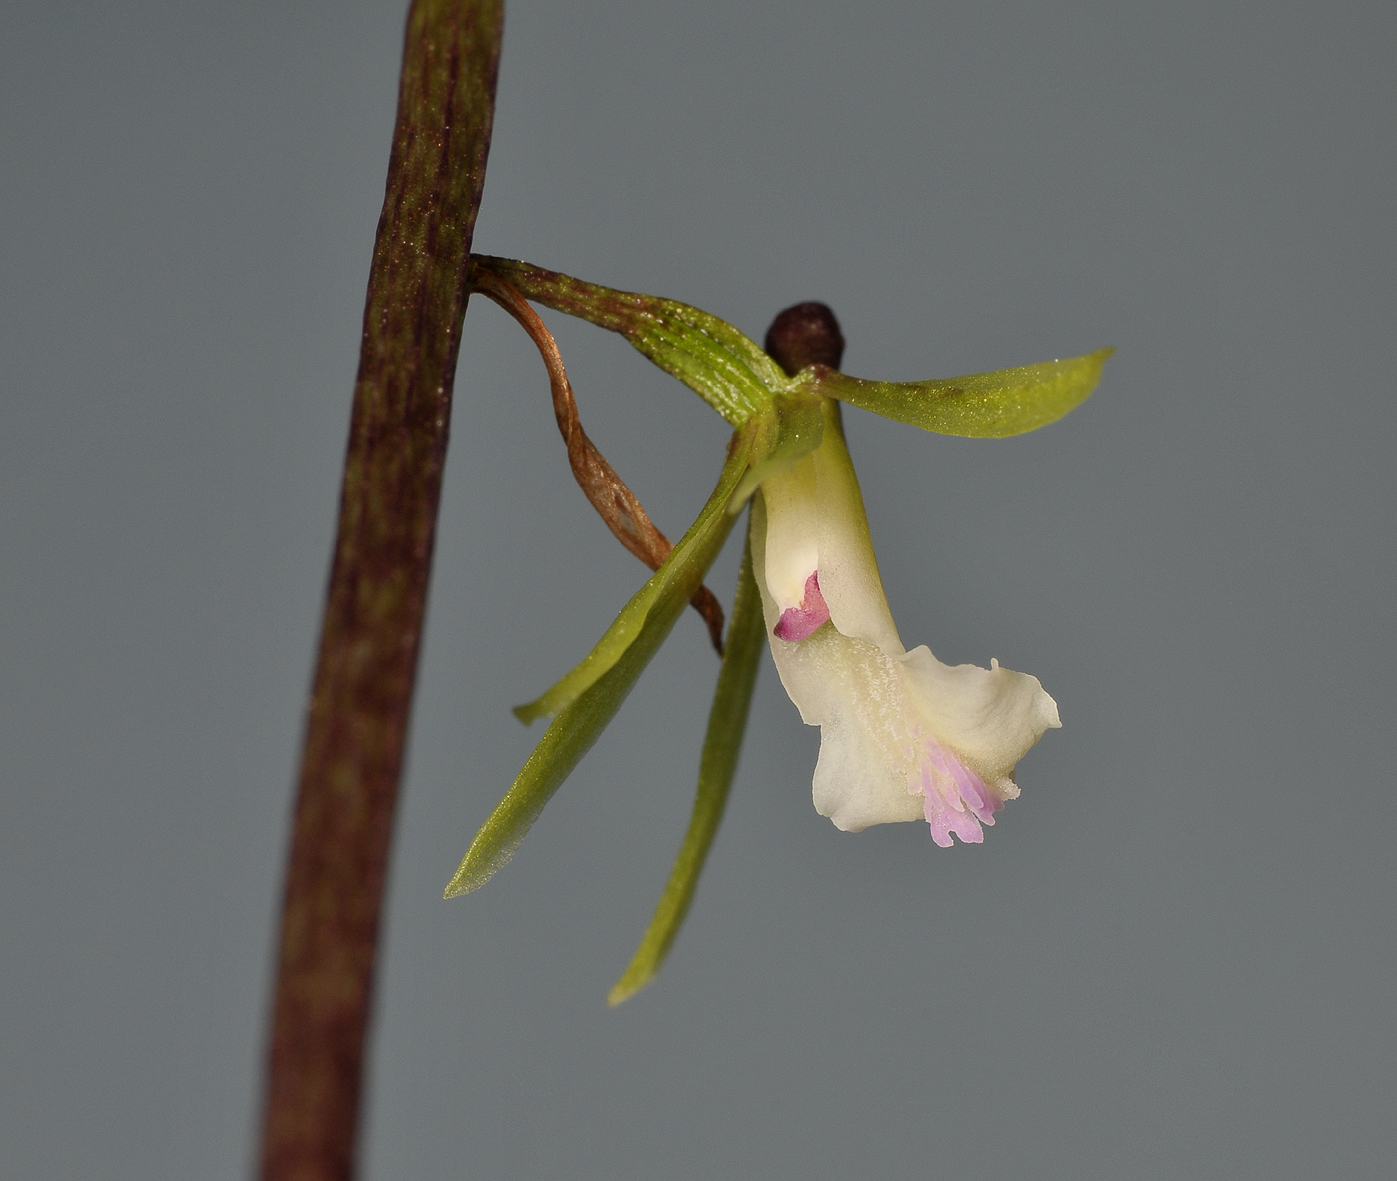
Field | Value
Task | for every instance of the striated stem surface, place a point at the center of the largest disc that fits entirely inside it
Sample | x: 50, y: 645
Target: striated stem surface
x: 367, y: 663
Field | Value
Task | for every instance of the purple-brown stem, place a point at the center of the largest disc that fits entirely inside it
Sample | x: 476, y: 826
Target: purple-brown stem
x: 362, y: 694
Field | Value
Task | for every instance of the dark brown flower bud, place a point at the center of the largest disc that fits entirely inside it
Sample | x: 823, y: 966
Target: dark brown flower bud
x: 805, y: 334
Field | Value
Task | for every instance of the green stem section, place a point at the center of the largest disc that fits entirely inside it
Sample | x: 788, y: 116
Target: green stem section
x: 361, y: 698
x: 727, y: 722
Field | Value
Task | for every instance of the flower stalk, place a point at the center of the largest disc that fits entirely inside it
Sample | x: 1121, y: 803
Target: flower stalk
x: 357, y: 720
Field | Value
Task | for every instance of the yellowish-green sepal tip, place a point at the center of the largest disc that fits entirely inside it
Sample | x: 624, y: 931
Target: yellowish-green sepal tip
x: 978, y: 405
x: 629, y: 984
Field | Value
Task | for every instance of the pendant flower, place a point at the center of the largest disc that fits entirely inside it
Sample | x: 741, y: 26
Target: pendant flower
x: 902, y: 736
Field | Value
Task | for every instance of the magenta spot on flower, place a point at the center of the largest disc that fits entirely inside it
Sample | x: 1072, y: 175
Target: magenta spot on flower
x: 797, y: 623
x: 954, y: 798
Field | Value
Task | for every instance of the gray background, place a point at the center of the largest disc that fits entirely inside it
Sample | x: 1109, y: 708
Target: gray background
x: 1173, y: 955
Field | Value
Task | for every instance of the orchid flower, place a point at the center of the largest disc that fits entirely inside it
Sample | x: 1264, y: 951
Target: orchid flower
x: 902, y: 736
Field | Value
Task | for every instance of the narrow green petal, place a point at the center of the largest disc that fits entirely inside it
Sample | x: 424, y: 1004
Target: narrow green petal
x: 724, y: 367
x: 588, y: 697
x: 726, y: 722
x: 570, y: 736
x: 978, y: 406
x: 684, y: 568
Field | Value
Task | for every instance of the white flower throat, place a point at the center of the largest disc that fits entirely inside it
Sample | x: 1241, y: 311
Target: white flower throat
x: 903, y: 736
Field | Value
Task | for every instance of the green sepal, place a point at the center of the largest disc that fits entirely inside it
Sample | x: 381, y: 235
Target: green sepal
x: 570, y: 736
x: 676, y: 580
x: 588, y: 697
x: 727, y: 720
x: 978, y: 406
x: 720, y: 364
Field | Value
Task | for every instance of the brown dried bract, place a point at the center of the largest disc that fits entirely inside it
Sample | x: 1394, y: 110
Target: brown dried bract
x: 617, y: 505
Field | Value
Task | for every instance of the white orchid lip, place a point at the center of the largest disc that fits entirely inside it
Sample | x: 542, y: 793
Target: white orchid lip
x: 903, y: 736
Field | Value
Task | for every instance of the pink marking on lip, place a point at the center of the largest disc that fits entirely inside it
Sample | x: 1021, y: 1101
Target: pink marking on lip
x: 798, y: 623
x: 946, y: 819
x: 969, y: 786
x: 954, y: 798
